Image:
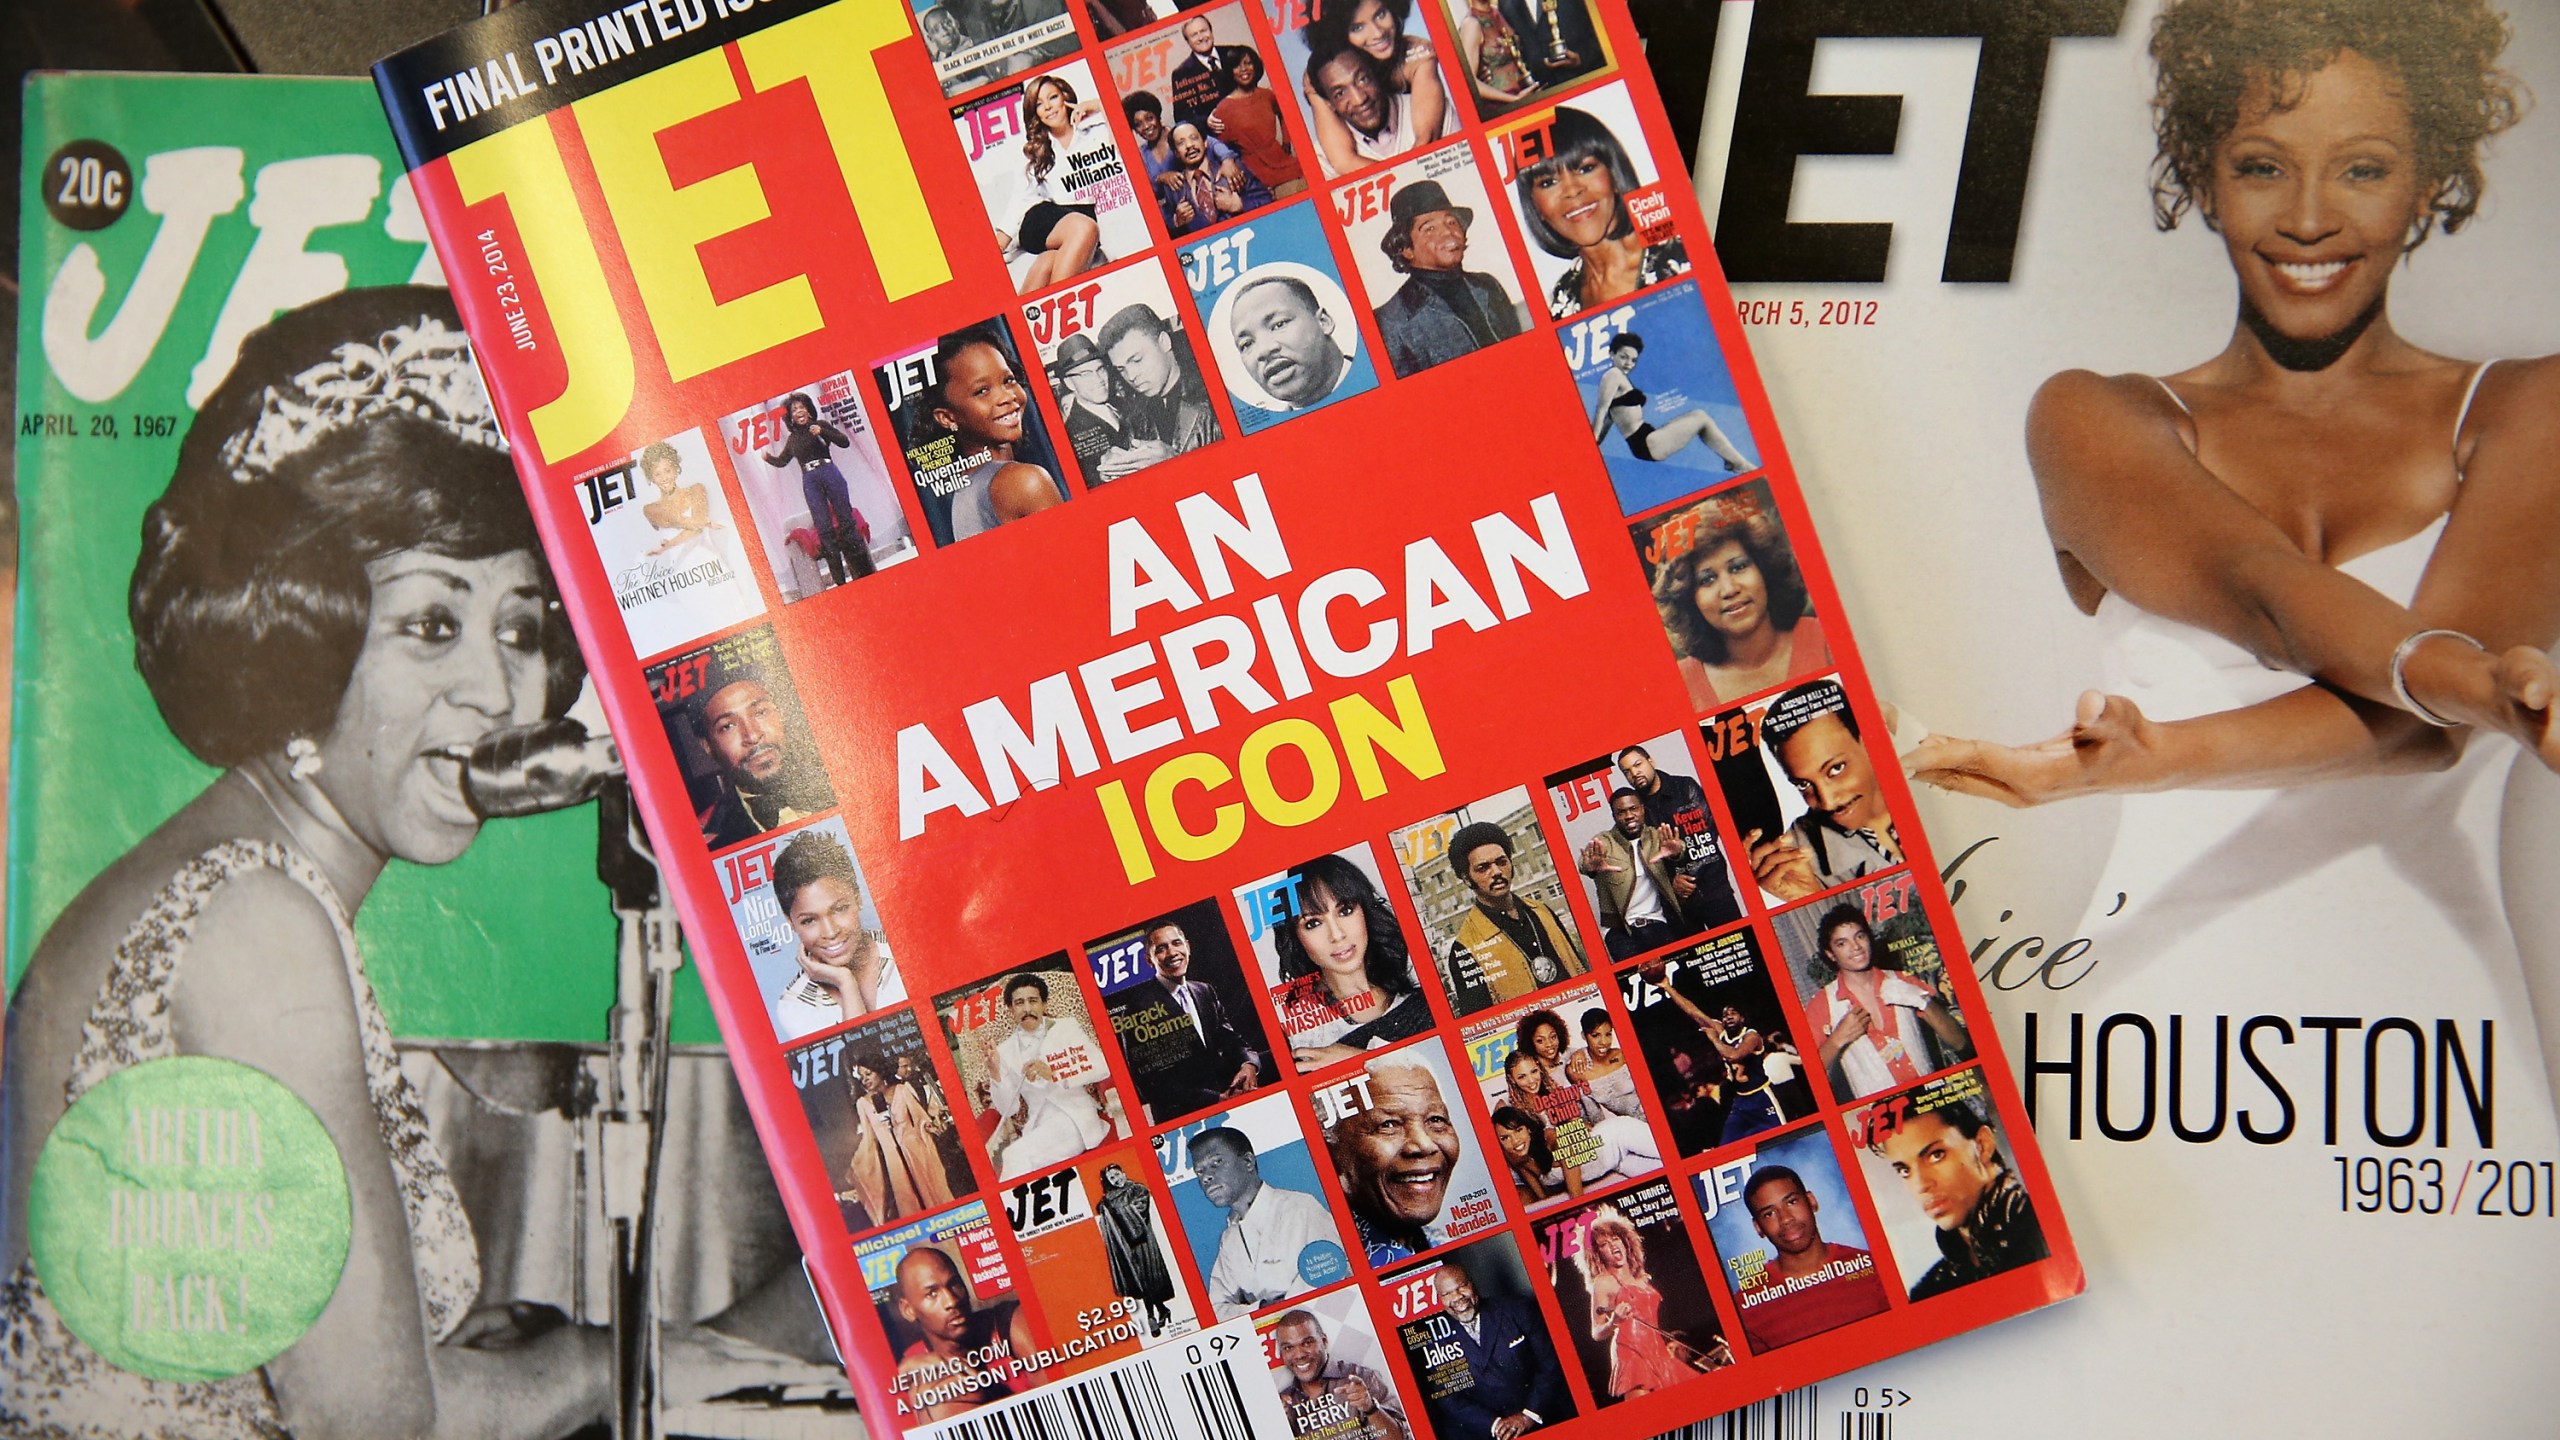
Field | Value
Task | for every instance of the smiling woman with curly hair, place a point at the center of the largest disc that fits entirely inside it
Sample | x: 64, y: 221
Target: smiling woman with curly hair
x: 2320, y: 560
x: 1736, y: 608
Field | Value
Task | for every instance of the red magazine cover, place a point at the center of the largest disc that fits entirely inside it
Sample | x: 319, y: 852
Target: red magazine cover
x: 1291, y: 838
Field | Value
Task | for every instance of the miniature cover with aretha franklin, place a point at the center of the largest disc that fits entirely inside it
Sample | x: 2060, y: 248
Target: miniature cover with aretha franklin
x: 1232, y: 770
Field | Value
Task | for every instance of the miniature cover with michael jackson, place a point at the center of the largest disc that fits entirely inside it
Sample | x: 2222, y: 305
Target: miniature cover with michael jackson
x: 2164, y: 378
x: 1258, y: 921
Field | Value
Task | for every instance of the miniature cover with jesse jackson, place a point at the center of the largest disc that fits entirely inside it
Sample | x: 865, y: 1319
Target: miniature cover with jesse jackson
x: 1284, y: 831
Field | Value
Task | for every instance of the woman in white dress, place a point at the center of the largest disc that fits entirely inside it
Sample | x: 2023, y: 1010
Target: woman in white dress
x: 2322, y: 555
x: 2325, y: 567
x: 1069, y: 164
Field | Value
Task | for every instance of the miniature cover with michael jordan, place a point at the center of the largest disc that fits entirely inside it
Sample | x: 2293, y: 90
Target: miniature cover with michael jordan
x: 1281, y: 939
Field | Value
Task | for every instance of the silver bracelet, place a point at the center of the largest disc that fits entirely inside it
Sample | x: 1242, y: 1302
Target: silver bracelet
x: 2400, y: 673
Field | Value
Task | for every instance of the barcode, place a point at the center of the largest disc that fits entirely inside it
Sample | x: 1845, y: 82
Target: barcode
x: 1790, y: 1416
x: 1178, y: 1391
x: 1865, y: 1425
x: 1127, y: 1405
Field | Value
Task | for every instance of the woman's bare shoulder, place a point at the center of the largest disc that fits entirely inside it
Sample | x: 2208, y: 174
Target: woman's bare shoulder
x: 266, y: 964
x: 2081, y: 395
x: 258, y: 944
x: 2081, y: 413
x: 97, y: 919
x: 2523, y: 389
x: 1021, y: 488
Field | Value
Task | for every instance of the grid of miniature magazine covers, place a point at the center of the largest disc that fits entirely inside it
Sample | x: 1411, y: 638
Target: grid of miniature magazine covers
x: 1589, y: 1088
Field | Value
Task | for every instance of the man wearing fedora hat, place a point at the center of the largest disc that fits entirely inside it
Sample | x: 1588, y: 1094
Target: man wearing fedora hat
x: 1442, y: 310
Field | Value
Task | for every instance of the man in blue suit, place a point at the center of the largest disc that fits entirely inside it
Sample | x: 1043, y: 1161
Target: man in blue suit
x: 1518, y: 1386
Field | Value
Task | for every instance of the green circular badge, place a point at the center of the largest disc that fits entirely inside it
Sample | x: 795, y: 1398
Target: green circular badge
x: 189, y: 1218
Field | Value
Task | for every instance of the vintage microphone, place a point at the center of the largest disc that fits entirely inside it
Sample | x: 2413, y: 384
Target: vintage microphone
x: 548, y: 765
x: 553, y: 765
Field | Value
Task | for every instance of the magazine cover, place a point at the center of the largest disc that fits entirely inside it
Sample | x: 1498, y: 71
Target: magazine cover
x: 1284, y: 332
x: 1644, y: 845
x: 1794, y: 1271
x: 810, y: 929
x: 1125, y: 371
x: 944, y: 1289
x: 1397, y: 1137
x: 974, y: 42
x: 1733, y: 601
x: 1039, y: 1084
x: 1086, y: 756
x: 1874, y: 986
x: 1369, y: 79
x: 1332, y: 1371
x: 1183, y: 1012
x: 2049, y: 218
x: 1199, y: 98
x: 1049, y: 168
x: 730, y: 711
x: 1716, y: 1041
x: 1113, y: 18
x: 1334, y: 958
x: 1565, y: 1107
x: 662, y: 529
x: 1095, y: 1235
x: 1966, y: 1217
x: 1480, y: 1345
x: 1801, y: 779
x: 1253, y: 1212
x: 1582, y: 174
x: 817, y: 489
x: 1510, y: 51
x: 976, y: 448
x: 1411, y: 229
x: 305, y: 846
x: 878, y: 1131
x: 1627, y: 1267
x: 1684, y: 415
x: 1491, y: 901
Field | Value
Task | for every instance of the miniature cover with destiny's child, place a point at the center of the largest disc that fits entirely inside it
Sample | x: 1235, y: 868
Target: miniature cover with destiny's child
x: 1077, y: 768
x: 2168, y: 387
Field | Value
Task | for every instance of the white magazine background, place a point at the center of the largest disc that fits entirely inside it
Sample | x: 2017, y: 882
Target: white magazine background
x: 625, y: 538
x: 2227, y: 1294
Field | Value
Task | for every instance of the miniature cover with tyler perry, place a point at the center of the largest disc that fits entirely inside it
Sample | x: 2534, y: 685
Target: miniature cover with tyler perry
x: 1285, y: 832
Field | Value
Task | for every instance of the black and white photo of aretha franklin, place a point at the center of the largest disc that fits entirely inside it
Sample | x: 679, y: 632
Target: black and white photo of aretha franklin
x: 337, y: 597
x: 2324, y: 563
